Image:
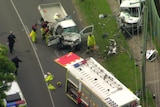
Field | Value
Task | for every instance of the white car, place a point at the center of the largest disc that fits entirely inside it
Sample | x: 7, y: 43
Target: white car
x: 151, y: 54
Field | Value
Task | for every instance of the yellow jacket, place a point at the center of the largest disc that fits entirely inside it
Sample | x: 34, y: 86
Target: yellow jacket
x: 33, y: 36
x: 91, y: 40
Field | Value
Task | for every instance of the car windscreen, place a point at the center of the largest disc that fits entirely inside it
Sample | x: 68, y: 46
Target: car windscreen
x: 131, y: 11
x: 71, y: 29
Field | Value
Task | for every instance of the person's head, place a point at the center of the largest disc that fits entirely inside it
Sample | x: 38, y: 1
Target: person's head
x: 34, y: 30
x: 11, y: 32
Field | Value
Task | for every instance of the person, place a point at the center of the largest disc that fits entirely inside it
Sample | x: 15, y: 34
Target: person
x: 11, y: 41
x: 16, y: 61
x: 47, y: 35
x: 44, y: 24
x: 44, y: 29
x: 33, y: 36
x: 42, y: 32
x: 34, y: 27
x: 90, y: 43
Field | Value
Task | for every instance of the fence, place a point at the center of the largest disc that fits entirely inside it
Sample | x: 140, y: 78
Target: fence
x: 154, y: 23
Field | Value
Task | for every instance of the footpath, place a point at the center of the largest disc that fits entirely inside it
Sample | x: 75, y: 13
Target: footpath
x: 152, y: 68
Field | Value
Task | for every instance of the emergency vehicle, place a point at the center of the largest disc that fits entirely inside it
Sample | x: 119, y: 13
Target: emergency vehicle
x: 14, y: 96
x: 89, y: 84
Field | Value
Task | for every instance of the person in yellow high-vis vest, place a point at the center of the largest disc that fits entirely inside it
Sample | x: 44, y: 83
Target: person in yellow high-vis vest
x: 42, y: 32
x: 47, y: 35
x: 91, y: 42
x: 33, y: 36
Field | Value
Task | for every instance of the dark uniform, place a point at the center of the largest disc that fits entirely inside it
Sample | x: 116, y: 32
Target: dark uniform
x: 11, y: 41
x: 16, y: 61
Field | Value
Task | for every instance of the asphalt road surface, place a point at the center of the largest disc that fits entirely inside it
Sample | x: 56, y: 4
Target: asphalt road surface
x: 18, y: 16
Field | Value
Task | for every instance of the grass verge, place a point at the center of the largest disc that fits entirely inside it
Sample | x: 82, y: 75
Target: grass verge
x: 121, y: 65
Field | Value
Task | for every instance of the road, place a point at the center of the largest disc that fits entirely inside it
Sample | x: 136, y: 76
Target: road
x: 18, y: 16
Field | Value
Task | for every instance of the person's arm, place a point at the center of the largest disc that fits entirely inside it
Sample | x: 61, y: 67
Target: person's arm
x: 19, y: 60
x: 8, y: 39
x: 14, y: 38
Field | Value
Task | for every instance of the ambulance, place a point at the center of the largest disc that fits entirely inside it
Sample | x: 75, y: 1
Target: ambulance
x: 89, y: 84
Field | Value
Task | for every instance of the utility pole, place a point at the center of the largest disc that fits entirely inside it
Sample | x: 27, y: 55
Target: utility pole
x: 145, y: 26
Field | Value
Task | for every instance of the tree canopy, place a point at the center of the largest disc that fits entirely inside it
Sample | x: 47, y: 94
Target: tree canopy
x: 3, y: 50
x: 7, y: 69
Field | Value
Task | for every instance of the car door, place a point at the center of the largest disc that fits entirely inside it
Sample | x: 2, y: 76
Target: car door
x: 87, y: 30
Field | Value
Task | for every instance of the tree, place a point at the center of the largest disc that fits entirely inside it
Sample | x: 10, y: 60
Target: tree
x: 7, y: 69
x: 3, y: 50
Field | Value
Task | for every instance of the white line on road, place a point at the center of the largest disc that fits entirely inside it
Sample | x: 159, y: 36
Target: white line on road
x: 34, y: 48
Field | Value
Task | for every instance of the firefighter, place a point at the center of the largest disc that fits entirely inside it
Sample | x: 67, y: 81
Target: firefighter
x: 91, y: 42
x: 33, y: 36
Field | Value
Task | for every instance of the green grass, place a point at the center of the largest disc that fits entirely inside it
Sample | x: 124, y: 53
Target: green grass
x: 121, y: 65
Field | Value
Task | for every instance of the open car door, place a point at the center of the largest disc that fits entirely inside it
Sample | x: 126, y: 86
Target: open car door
x: 87, y: 30
x: 52, y: 41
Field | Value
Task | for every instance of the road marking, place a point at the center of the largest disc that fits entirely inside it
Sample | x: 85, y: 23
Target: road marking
x: 34, y: 47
